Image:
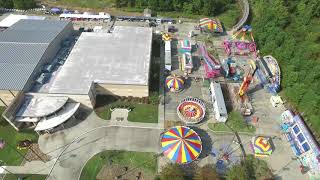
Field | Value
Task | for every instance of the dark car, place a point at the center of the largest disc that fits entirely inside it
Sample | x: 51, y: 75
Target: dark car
x: 172, y: 29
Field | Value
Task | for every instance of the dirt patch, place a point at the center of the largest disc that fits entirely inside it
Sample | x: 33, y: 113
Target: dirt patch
x: 35, y: 154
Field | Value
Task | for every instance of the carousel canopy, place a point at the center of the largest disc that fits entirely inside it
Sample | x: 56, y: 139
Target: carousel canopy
x: 175, y: 82
x: 181, y: 144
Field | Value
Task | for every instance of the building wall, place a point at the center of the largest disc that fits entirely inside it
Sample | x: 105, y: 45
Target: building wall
x: 84, y: 99
x: 122, y: 90
x: 7, y: 97
x: 9, y: 113
x: 50, y: 54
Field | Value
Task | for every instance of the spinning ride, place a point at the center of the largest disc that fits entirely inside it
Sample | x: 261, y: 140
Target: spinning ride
x: 243, y: 45
x: 225, y: 157
x: 181, y: 144
x: 191, y: 110
x: 175, y: 83
x: 261, y: 146
x: 166, y: 37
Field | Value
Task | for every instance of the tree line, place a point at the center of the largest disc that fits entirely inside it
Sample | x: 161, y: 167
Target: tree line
x: 250, y: 168
x: 290, y: 31
x: 17, y: 4
x: 198, y: 7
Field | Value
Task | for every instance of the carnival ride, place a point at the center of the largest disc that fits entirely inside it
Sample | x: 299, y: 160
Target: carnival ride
x: 273, y: 72
x: 175, y: 83
x: 181, y: 144
x: 210, y: 25
x: 247, y: 80
x: 191, y: 110
x: 166, y: 37
x: 243, y: 45
x: 225, y: 157
x: 212, y: 67
x: 261, y: 146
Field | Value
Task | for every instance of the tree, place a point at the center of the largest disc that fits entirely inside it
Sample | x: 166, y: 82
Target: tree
x: 172, y: 172
x: 206, y: 173
x: 6, y: 4
x: 237, y: 172
x: 250, y: 168
x: 24, y: 4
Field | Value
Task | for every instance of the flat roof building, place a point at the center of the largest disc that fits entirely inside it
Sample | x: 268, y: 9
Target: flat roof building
x: 219, y: 106
x: 103, y: 63
x: 118, y: 63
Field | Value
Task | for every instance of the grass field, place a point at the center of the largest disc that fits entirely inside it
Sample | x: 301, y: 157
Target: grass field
x: 27, y: 177
x: 8, y: 155
x: 236, y: 122
x: 145, y: 161
x: 228, y: 18
x: 147, y: 113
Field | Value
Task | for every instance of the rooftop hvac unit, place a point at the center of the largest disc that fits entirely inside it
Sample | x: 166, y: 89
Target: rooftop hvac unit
x: 43, y: 78
x: 48, y: 68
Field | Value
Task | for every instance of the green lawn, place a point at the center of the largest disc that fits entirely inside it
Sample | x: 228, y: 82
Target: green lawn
x: 27, y: 177
x: 147, y: 113
x: 145, y: 161
x: 230, y: 17
x: 94, y: 4
x: 105, y: 113
x: 236, y: 122
x: 8, y: 155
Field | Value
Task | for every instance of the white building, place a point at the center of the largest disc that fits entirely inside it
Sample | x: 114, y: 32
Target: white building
x: 167, y: 55
x: 219, y: 106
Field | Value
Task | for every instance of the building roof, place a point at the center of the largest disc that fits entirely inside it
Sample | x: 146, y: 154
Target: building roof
x: 86, y: 16
x: 217, y: 91
x: 121, y: 57
x: 22, y: 47
x: 13, y: 18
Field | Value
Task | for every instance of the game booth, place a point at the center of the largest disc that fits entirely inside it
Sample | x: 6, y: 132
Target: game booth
x: 241, y: 46
x: 302, y: 142
x: 261, y: 146
x: 181, y: 144
x: 210, y: 25
x: 186, y: 63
